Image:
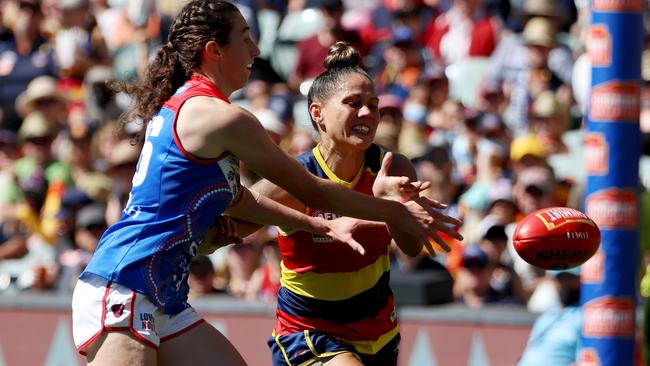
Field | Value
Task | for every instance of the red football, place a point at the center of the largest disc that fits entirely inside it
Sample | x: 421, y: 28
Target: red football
x: 556, y: 238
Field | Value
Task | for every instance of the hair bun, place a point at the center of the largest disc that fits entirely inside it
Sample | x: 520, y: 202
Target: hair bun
x: 341, y: 55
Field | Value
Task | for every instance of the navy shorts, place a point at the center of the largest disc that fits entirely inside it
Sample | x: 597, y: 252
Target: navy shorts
x: 314, y: 348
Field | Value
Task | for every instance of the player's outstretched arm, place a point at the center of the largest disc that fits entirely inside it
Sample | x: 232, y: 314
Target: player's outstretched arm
x: 256, y: 208
x: 244, y: 136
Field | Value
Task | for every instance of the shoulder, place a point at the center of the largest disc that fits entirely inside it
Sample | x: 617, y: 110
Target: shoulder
x: 213, y: 113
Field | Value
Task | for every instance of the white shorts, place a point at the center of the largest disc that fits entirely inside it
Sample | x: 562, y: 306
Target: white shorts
x: 99, y: 305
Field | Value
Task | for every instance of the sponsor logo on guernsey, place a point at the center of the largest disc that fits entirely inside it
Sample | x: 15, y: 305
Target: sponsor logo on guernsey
x: 327, y: 216
x: 617, y: 5
x: 608, y: 317
x: 599, y: 45
x: 147, y: 321
x: 596, y: 153
x: 588, y: 357
x: 560, y: 216
x: 615, y: 101
x: 593, y: 270
x: 613, y: 208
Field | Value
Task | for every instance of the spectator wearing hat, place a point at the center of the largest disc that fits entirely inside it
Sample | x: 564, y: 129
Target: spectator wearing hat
x: 556, y: 335
x: 24, y: 55
x: 8, y: 155
x: 13, y: 239
x: 526, y: 64
x: 465, y: 30
x: 43, y: 95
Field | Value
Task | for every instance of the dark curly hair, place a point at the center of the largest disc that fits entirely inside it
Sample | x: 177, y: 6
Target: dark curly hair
x: 342, y: 59
x: 199, y: 22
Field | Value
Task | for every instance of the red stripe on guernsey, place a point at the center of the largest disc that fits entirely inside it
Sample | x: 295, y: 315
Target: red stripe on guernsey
x: 363, y: 330
x: 182, y: 331
x: 197, y: 86
x: 301, y: 254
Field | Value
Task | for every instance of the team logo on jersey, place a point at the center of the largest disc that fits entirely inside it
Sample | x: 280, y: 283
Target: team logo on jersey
x: 609, y: 317
x: 615, y: 101
x: 117, y: 310
x: 327, y: 216
x: 593, y: 270
x: 599, y: 45
x: 617, y: 5
x: 613, y: 208
x: 596, y: 154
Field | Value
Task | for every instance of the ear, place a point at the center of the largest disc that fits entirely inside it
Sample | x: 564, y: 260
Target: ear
x: 316, y: 113
x: 212, y: 50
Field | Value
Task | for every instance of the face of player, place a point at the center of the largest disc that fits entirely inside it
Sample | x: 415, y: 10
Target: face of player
x: 351, y: 114
x: 239, y: 54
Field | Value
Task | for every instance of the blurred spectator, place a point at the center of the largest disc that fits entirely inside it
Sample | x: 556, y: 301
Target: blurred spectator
x: 473, y: 283
x: 465, y: 30
x: 390, y: 122
x: 90, y: 224
x: 312, y: 50
x: 202, y: 277
x: 121, y: 168
x: 528, y: 64
x: 78, y: 41
x: 43, y: 95
x: 555, y: 337
x: 265, y: 281
x: 534, y: 189
x: 24, y: 55
x: 405, y: 62
x: 242, y: 261
x: 414, y: 132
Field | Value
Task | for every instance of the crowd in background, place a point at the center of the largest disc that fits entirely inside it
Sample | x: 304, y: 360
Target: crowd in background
x: 486, y: 97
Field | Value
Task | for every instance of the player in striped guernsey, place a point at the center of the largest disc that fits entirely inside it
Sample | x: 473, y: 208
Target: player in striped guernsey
x: 334, y: 305
x: 130, y: 304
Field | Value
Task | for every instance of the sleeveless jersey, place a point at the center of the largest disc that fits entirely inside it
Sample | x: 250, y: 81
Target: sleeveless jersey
x: 328, y: 287
x: 174, y: 199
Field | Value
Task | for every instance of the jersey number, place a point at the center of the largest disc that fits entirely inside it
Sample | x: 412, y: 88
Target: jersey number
x: 153, y: 130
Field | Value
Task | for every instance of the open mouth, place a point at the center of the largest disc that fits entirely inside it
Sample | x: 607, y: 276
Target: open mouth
x: 361, y: 129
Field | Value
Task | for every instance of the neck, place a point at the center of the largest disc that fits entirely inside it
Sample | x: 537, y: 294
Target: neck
x: 345, y: 163
x: 217, y: 80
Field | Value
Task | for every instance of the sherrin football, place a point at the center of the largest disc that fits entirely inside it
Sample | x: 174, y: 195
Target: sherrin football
x: 556, y: 238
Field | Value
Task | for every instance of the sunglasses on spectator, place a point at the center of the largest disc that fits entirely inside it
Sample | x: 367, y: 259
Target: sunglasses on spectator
x: 45, y: 102
x: 28, y: 5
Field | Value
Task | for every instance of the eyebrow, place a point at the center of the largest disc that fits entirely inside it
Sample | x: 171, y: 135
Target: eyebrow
x: 245, y: 29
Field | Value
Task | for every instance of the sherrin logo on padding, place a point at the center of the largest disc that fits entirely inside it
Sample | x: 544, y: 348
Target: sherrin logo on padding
x: 599, y: 45
x: 608, y: 317
x: 617, y: 5
x: 615, y: 101
x: 593, y: 270
x: 613, y: 208
x: 588, y: 357
x: 596, y: 153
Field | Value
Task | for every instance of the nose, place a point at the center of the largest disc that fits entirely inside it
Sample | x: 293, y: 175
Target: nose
x: 255, y: 52
x: 364, y: 111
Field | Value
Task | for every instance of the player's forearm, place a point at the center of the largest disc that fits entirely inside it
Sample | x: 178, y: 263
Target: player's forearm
x: 408, y: 244
x: 259, y: 209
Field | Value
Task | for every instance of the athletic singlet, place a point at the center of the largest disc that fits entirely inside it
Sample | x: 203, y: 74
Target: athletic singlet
x: 174, y: 199
x: 328, y: 287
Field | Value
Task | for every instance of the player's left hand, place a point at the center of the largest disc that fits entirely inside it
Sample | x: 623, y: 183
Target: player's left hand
x: 395, y: 188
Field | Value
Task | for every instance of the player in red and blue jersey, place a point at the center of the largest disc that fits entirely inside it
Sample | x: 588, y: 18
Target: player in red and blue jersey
x: 334, y: 305
x: 130, y: 304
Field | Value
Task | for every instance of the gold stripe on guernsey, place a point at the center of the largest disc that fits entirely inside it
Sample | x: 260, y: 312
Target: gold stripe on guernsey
x: 327, y: 286
x: 330, y: 174
x: 372, y: 347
